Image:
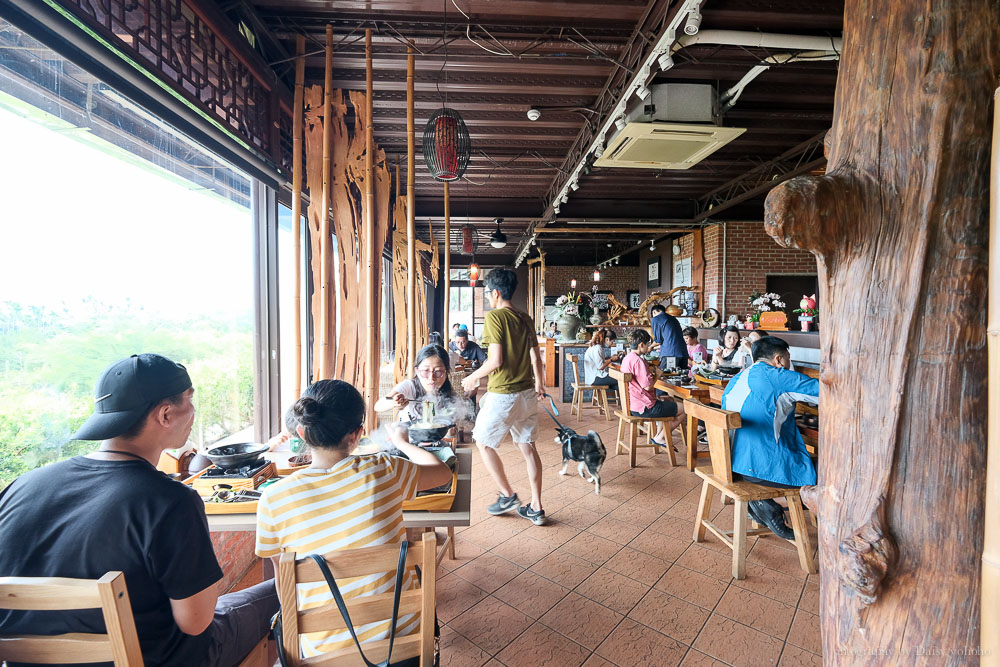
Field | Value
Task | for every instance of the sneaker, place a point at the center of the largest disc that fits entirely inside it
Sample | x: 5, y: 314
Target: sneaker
x: 772, y: 517
x: 504, y: 504
x: 535, y: 517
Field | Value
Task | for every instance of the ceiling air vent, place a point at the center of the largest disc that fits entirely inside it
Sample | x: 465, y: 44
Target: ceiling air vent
x: 657, y: 145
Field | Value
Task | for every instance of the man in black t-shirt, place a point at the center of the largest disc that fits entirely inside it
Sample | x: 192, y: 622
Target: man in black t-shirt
x: 467, y: 349
x: 112, y: 510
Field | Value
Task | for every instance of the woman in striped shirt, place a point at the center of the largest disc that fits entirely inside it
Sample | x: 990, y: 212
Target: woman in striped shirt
x: 343, y: 502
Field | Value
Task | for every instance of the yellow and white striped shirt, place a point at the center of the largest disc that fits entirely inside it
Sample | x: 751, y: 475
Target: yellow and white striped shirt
x: 356, y: 503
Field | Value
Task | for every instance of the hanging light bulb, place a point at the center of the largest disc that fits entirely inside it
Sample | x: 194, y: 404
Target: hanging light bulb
x: 572, y: 283
x: 597, y: 276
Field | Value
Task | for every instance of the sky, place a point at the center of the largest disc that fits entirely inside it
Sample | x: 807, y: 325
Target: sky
x: 76, y: 222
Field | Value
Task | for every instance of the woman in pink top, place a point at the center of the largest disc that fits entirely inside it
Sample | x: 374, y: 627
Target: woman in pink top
x: 696, y: 351
x: 642, y: 396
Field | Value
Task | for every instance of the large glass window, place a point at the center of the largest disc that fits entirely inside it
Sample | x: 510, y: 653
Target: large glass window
x: 119, y: 236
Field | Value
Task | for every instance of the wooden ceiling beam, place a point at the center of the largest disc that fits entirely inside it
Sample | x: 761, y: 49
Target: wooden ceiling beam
x: 513, y: 87
x: 485, y: 12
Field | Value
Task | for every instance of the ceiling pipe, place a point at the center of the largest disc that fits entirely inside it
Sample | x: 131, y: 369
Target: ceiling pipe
x: 729, y: 98
x: 669, y: 43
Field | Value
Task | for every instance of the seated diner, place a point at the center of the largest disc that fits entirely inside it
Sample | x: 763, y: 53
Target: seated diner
x: 430, y: 384
x: 598, y: 359
x: 767, y: 448
x: 727, y: 352
x: 641, y: 390
x: 343, y: 502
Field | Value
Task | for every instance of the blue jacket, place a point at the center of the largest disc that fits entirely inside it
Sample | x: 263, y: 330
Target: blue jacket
x: 667, y: 332
x: 768, y: 445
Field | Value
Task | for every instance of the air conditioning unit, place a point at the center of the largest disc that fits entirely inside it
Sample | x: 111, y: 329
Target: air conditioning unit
x: 678, y: 126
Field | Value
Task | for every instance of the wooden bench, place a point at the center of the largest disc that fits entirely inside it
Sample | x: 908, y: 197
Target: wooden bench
x: 719, y: 477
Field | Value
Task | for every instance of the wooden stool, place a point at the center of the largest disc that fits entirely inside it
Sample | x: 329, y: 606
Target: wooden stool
x: 599, y: 399
x: 719, y: 476
x: 635, y: 424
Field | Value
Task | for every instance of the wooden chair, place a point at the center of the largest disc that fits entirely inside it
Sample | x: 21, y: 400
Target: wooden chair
x: 120, y: 644
x: 599, y: 399
x: 369, y: 609
x: 635, y: 424
x: 719, y: 476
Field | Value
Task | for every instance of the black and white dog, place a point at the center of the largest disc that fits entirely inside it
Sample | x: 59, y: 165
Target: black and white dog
x: 588, y: 450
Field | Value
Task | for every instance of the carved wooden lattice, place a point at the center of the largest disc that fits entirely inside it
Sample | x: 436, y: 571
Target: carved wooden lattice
x: 175, y: 41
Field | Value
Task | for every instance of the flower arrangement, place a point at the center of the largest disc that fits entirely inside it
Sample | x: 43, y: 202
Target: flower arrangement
x: 762, y: 303
x: 574, y: 304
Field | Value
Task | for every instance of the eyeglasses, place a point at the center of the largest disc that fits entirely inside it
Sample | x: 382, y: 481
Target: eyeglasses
x: 426, y: 373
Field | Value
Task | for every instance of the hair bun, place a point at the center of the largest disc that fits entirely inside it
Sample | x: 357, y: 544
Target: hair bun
x: 308, y: 411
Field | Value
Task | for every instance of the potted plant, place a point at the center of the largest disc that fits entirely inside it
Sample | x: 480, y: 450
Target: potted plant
x: 809, y: 311
x: 762, y: 303
x: 573, y: 309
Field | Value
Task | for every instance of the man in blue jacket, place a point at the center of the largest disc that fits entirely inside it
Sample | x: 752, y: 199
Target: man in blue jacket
x: 668, y: 337
x: 768, y: 449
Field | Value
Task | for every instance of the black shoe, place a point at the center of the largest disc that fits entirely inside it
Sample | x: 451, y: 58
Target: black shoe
x: 771, y: 516
x: 535, y: 517
x: 752, y: 514
x: 504, y: 504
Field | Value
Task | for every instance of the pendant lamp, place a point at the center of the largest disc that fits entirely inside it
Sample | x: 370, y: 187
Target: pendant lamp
x: 446, y: 145
x: 473, y: 274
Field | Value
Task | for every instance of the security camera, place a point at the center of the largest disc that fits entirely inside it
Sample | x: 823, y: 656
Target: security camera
x: 534, y: 114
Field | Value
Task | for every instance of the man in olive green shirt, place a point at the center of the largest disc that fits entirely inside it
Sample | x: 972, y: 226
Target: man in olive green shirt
x: 515, y: 385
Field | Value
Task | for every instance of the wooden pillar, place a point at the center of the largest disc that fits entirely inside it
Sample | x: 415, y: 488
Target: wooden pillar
x: 989, y: 639
x: 899, y: 227
x: 411, y: 232
x: 297, y: 167
x: 371, y: 257
x: 447, y: 262
x: 326, y: 244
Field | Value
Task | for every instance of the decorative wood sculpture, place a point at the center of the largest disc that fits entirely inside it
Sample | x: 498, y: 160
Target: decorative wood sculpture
x: 655, y: 298
x: 899, y: 227
x: 327, y: 303
x: 620, y: 312
x: 297, y: 121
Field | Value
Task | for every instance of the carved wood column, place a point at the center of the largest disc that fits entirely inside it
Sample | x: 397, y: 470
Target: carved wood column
x: 899, y: 227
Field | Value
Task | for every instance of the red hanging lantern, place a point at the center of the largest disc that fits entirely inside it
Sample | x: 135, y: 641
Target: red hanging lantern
x: 468, y: 239
x: 473, y: 273
x: 447, y: 146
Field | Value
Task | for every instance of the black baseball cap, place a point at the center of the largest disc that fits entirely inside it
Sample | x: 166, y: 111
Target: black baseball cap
x: 126, y: 391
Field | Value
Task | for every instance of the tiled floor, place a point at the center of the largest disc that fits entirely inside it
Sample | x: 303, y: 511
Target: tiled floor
x: 615, y: 579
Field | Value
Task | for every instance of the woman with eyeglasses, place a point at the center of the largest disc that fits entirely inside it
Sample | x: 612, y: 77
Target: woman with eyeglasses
x: 430, y: 383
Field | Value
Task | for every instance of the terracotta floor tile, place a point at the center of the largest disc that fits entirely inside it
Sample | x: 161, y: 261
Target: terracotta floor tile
x: 582, y: 620
x: 775, y: 585
x: 464, y: 552
x: 671, y: 526
x: 694, y: 587
x: 597, y: 661
x: 531, y: 594
x: 523, y: 550
x: 737, y: 644
x: 614, y: 529
x: 489, y: 571
x: 455, y: 596
x: 597, y: 503
x: 637, y: 565
x: 498, y: 529
x: 683, y: 509
x: 659, y: 545
x: 495, y: 663
x: 767, y: 553
x: 707, y: 561
x: 805, y: 632
x: 564, y: 568
x: 613, y: 590
x: 577, y: 517
x: 633, y: 643
x: 671, y: 616
x: 592, y: 548
x: 540, y: 646
x: 636, y: 514
x: 793, y: 656
x: 699, y: 659
x: 457, y: 651
x: 810, y: 598
x: 760, y: 613
x: 554, y: 534
x: 491, y: 624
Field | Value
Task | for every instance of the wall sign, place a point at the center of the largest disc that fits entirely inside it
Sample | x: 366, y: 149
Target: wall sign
x: 633, y: 299
x: 653, y: 272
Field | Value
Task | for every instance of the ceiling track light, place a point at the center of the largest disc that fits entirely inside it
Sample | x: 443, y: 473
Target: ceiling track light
x: 620, y: 123
x: 642, y: 91
x: 575, y: 185
x: 665, y: 61
x: 555, y: 208
x: 693, y: 24
x: 564, y: 199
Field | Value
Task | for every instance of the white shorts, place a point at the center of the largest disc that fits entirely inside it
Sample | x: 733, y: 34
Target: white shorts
x: 500, y: 414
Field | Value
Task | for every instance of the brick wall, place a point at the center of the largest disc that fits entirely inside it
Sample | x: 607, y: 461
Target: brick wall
x: 615, y: 279
x: 750, y: 256
x: 235, y: 552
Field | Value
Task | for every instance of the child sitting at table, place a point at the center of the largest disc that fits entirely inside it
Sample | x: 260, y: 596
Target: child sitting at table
x: 642, y: 395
